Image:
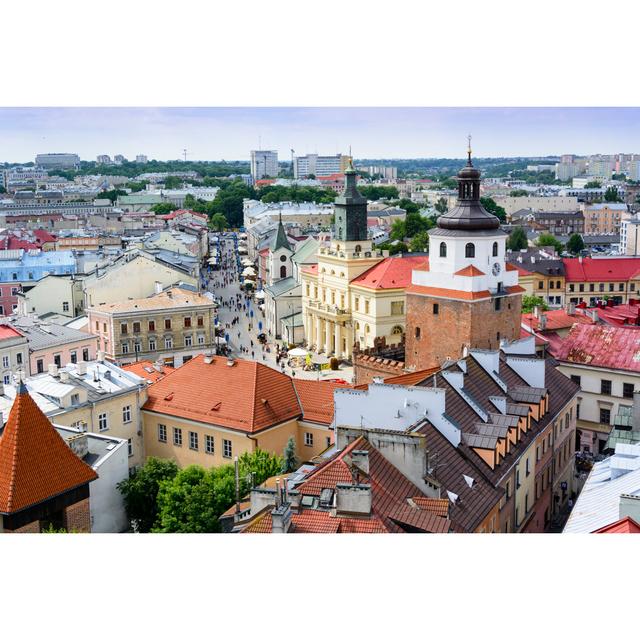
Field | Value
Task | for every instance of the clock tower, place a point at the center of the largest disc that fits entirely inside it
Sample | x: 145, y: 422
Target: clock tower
x: 468, y: 296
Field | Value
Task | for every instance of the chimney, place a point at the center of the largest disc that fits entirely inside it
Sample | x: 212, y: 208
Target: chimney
x: 53, y: 370
x: 81, y: 368
x: 580, y: 259
x: 64, y: 376
x: 360, y: 461
x: 158, y: 365
x: 281, y: 518
x: 629, y: 506
x: 79, y: 444
x: 542, y: 322
x: 100, y: 356
x: 353, y: 499
x: 536, y: 311
x: 571, y: 308
x: 208, y: 358
x: 158, y: 286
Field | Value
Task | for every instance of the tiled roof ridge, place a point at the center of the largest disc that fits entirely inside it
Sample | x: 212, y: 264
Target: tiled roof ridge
x: 338, y: 457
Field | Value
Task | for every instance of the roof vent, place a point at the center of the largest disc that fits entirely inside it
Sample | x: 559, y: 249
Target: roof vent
x: 469, y: 480
x: 216, y: 406
x: 169, y: 397
x: 453, y: 497
x: 231, y: 362
x: 53, y: 370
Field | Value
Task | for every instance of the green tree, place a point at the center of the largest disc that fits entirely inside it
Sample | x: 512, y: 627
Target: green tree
x: 592, y: 184
x: 258, y: 466
x: 172, y: 182
x: 516, y: 193
x: 490, y: 205
x: 289, y: 459
x: 218, y: 222
x: 378, y: 192
x: 575, y: 244
x: 112, y: 194
x: 415, y: 223
x: 398, y: 230
x: 140, y: 492
x: 163, y: 208
x: 189, y: 201
x: 449, y: 183
x: 549, y: 240
x: 441, y: 205
x: 420, y: 242
x: 611, y: 195
x: 529, y: 302
x: 137, y: 186
x: 517, y: 240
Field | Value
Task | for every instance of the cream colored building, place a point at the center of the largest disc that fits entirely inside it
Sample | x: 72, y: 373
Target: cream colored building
x: 537, y: 203
x: 173, y: 325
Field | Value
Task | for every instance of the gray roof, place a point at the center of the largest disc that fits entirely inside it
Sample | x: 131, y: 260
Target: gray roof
x: 282, y: 286
x: 43, y: 335
x: 306, y: 252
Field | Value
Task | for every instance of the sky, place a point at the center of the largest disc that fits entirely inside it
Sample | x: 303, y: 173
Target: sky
x: 372, y: 132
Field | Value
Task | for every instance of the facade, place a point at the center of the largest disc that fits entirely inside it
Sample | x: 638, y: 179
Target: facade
x: 14, y: 354
x: 142, y: 159
x: 43, y: 484
x: 537, y: 203
x: 591, y: 280
x: 604, y: 218
x: 468, y: 296
x: 313, y: 164
x: 212, y: 409
x: 174, y: 325
x: 62, y: 295
x: 58, y: 161
x: 601, y: 359
x: 540, y: 273
x: 264, y: 164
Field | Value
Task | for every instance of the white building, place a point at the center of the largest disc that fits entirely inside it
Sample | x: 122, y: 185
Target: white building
x: 142, y: 159
x: 313, y: 164
x: 103, y: 159
x: 264, y: 164
x: 566, y: 171
x: 58, y: 161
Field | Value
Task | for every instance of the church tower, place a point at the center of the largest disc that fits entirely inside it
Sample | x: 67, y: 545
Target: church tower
x: 469, y: 296
x: 350, y: 209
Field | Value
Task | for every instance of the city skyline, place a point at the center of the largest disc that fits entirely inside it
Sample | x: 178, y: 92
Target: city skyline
x: 372, y: 132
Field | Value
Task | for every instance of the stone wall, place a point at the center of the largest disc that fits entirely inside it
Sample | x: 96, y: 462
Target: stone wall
x: 77, y: 517
x: 378, y: 361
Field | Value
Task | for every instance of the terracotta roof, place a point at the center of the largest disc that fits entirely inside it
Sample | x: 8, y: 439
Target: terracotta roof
x: 7, y: 332
x: 316, y: 398
x: 419, y: 519
x: 173, y: 298
x: 601, y: 346
x: 410, y: 379
x: 35, y: 462
x: 310, y: 521
x: 600, y: 269
x: 391, y: 273
x: 145, y: 369
x: 620, y: 315
x: 311, y: 269
x: 247, y: 396
x: 470, y: 271
x: 437, y: 506
x: 556, y: 319
x: 539, y: 340
x: 626, y: 525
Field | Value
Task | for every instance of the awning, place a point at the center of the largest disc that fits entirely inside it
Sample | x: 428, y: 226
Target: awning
x: 259, y: 295
x: 298, y: 352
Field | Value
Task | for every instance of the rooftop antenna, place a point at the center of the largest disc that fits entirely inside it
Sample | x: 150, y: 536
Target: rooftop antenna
x: 184, y: 154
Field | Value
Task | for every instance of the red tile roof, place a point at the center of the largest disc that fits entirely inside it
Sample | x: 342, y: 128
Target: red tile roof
x: 626, y: 525
x: 35, y: 462
x: 7, y: 332
x: 311, y: 269
x: 391, y: 273
x: 247, y: 396
x: 316, y: 398
x: 410, y: 379
x: 556, y: 319
x: 600, y: 269
x: 621, y: 315
x: 310, y: 521
x: 600, y: 346
x: 470, y: 271
x: 437, y: 506
x: 145, y: 369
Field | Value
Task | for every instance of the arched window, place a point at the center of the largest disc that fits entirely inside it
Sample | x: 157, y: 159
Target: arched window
x: 283, y: 271
x: 357, y: 249
x: 495, y: 249
x: 397, y: 330
x: 357, y: 326
x: 443, y: 249
x: 470, y: 250
x: 366, y: 328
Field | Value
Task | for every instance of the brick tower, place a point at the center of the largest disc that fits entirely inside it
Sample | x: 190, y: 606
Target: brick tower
x: 469, y: 296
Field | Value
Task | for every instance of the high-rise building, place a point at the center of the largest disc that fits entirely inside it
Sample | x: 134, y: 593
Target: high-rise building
x: 58, y: 160
x: 314, y: 165
x: 142, y: 159
x: 104, y: 159
x: 566, y: 171
x: 469, y: 296
x: 634, y: 170
x: 601, y: 167
x: 119, y: 159
x: 264, y: 164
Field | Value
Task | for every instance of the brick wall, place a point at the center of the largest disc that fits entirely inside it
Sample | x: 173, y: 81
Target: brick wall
x: 32, y: 527
x: 457, y: 324
x: 380, y: 360
x: 77, y: 517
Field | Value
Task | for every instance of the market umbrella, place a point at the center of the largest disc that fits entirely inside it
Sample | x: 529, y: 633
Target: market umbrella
x: 259, y: 295
x: 319, y: 358
x: 298, y: 352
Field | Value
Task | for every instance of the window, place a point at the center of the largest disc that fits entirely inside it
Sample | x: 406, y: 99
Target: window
x: 417, y: 333
x: 124, y: 328
x: 497, y: 303
x: 551, y: 284
x: 208, y: 444
x: 470, y: 250
x: 366, y: 306
x: 162, y: 432
x: 508, y: 488
x: 200, y: 339
x: 605, y: 387
x: 126, y: 414
x: 308, y: 439
x: 137, y: 347
x: 73, y: 355
x: 130, y: 447
x: 576, y: 379
x: 592, y: 287
x: 168, y: 343
x: 187, y: 322
x: 40, y: 365
x: 6, y: 379
x: 152, y: 344
x: 125, y: 347
x: 65, y: 306
x: 356, y: 303
x: 627, y: 390
x: 136, y: 327
x: 517, y: 478
x: 495, y: 249
x: 283, y: 271
x: 436, y: 308
x: 621, y: 286
x: 152, y: 325
x: 283, y: 258
x: 605, y: 416
x: 611, y: 286
x: 18, y: 358
x: 226, y: 449
x: 188, y: 341
x: 526, y: 502
x: 167, y: 323
x: 57, y: 360
x: 397, y: 308
x: 193, y: 440
x: 14, y: 291
x: 97, y: 326
x: 632, y: 286
x: 538, y: 453
x: 540, y: 284
x: 571, y: 288
x: 201, y: 320
x: 177, y: 437
x: 581, y: 288
x: 103, y: 423
x: 443, y: 249
x: 528, y: 471
x: 5, y: 361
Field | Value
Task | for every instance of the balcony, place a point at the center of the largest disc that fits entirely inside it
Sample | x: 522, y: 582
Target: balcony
x: 330, y: 309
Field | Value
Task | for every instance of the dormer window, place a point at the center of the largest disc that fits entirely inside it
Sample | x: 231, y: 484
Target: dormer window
x: 470, y: 250
x: 495, y: 249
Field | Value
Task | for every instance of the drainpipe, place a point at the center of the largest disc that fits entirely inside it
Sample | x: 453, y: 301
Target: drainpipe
x: 254, y: 440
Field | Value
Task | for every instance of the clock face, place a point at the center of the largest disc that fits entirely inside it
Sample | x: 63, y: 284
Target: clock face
x: 496, y: 268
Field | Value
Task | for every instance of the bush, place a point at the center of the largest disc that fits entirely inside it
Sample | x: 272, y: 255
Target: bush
x: 334, y: 363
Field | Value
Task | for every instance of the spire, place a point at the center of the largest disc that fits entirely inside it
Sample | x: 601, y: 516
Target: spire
x: 469, y: 163
x: 280, y: 240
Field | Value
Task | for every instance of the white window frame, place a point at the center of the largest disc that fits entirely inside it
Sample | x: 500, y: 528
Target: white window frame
x: 308, y: 439
x: 177, y: 436
x: 103, y: 422
x: 209, y: 444
x: 126, y: 414
x: 193, y: 440
x: 162, y: 433
x: 227, y: 448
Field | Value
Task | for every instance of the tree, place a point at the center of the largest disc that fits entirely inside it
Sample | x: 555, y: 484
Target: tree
x: 575, y: 244
x: 289, y: 460
x: 189, y: 201
x: 549, y: 240
x: 517, y: 240
x: 379, y: 192
x: 398, y: 230
x: 112, y: 194
x: 163, y: 208
x: 592, y: 184
x: 172, y: 182
x: 187, y: 503
x: 140, y: 492
x: 415, y: 223
x: 529, y: 302
x: 516, y: 193
x: 218, y: 222
x: 258, y: 466
x: 420, y: 242
x: 449, y: 183
x: 611, y: 195
x: 490, y: 205
x: 441, y: 206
